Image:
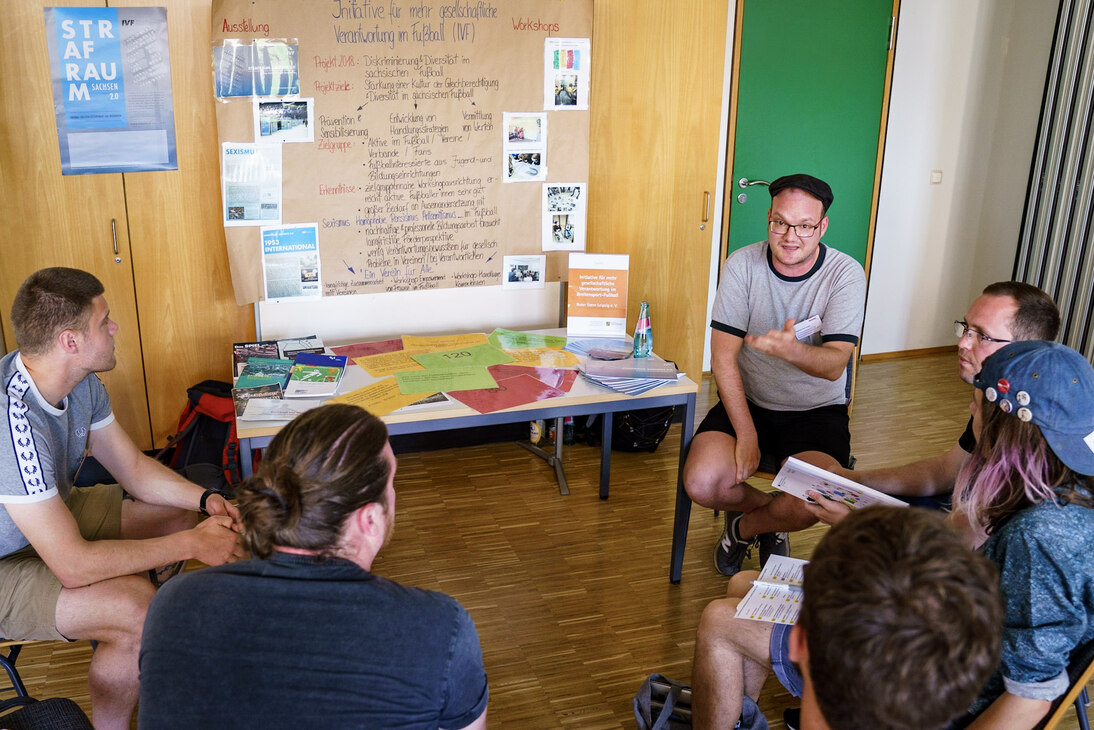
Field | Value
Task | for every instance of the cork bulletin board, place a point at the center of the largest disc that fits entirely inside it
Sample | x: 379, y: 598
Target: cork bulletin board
x: 435, y: 127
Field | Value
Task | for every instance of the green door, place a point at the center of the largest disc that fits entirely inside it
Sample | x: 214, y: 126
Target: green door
x: 810, y: 96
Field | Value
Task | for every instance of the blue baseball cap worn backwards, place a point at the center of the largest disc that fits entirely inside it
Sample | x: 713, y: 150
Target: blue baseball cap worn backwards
x: 1051, y: 386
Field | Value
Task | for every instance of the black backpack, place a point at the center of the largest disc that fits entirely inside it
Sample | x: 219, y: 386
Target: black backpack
x: 639, y: 430
x: 206, y: 450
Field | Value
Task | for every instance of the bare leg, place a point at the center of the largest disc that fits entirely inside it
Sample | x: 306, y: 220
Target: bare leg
x: 710, y: 475
x: 141, y: 520
x: 784, y: 513
x: 112, y: 613
x: 731, y: 660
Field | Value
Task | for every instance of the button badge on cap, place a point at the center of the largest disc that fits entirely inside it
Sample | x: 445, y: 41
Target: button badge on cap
x: 1024, y: 414
x: 1022, y: 397
x: 1006, y: 406
x: 1003, y: 385
x: 990, y: 394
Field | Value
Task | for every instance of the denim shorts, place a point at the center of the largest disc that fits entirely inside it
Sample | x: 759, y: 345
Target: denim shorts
x: 785, y: 670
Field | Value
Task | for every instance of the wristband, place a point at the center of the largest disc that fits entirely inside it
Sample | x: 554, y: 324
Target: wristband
x: 204, y: 498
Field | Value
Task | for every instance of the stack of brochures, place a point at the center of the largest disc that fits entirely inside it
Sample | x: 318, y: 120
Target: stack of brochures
x: 601, y: 348
x: 632, y: 376
x: 315, y: 375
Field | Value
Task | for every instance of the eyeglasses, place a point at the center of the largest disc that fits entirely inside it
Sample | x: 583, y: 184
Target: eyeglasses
x: 780, y: 228
x: 961, y: 328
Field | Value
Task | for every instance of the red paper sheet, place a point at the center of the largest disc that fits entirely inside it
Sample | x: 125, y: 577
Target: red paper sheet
x: 510, y: 392
x: 364, y: 349
x: 561, y: 378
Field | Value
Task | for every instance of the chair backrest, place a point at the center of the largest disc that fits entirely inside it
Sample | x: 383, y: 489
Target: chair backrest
x: 1080, y: 668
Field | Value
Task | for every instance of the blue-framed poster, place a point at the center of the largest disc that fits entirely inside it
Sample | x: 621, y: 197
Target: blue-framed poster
x: 111, y: 89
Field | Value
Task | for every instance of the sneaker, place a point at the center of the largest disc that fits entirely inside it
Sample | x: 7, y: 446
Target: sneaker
x: 792, y: 718
x: 731, y: 550
x: 773, y: 543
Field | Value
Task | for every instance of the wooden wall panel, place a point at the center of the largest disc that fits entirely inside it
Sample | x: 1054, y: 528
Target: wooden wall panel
x: 51, y: 219
x: 657, y: 74
x: 188, y: 314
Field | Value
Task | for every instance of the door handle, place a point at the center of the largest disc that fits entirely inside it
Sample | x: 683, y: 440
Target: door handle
x: 744, y: 182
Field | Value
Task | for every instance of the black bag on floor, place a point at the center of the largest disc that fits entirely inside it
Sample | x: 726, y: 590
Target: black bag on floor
x: 206, y: 450
x: 639, y: 430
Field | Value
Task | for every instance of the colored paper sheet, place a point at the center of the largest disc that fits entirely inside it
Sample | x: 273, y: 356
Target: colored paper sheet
x: 510, y: 340
x: 484, y: 355
x: 364, y: 349
x: 447, y: 380
x: 388, y: 363
x: 380, y: 398
x: 509, y: 393
x: 553, y: 377
x: 442, y: 342
x: 268, y: 409
x: 544, y: 357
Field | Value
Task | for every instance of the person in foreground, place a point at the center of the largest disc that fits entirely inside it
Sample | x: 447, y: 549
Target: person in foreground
x: 786, y: 318
x: 303, y: 635
x: 1026, y: 498
x: 71, y: 555
x: 899, y: 628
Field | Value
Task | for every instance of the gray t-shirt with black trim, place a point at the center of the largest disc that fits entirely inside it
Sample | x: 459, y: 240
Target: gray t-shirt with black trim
x: 754, y: 298
x: 42, y: 447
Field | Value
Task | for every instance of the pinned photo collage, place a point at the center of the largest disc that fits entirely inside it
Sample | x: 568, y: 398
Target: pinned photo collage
x: 525, y: 146
x: 564, y: 217
x: 566, y: 74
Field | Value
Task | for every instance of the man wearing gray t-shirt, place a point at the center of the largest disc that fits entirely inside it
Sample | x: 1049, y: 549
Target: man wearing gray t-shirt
x: 786, y: 318
x: 70, y: 557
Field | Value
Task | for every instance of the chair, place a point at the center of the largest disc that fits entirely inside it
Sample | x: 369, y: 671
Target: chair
x: 7, y: 661
x: 1080, y: 669
x: 55, y: 713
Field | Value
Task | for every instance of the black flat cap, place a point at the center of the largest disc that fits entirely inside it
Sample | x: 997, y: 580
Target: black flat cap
x: 814, y: 186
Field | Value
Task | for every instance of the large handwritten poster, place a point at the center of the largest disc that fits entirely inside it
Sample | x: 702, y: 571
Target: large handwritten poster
x: 436, y: 125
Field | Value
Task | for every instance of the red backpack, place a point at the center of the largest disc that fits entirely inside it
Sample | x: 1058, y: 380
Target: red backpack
x: 206, y: 450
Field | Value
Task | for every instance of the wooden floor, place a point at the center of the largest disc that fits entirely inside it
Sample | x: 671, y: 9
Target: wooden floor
x: 570, y: 594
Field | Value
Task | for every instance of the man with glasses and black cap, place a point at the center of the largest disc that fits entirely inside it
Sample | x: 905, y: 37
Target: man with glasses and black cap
x: 786, y: 318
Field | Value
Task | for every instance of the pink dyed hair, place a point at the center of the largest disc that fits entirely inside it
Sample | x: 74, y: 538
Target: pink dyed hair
x: 1012, y: 468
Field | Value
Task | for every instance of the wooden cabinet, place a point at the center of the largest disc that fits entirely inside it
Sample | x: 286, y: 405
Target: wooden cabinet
x: 171, y: 292
x: 657, y: 73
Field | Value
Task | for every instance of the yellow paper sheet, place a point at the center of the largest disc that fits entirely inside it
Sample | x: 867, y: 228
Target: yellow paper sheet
x: 387, y: 363
x: 544, y: 357
x: 442, y: 342
x: 379, y: 398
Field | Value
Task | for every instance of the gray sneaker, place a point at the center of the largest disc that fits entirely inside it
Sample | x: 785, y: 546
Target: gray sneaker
x: 731, y: 551
x: 773, y: 543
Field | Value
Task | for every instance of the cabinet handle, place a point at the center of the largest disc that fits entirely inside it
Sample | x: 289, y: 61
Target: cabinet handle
x: 114, y: 237
x: 706, y: 206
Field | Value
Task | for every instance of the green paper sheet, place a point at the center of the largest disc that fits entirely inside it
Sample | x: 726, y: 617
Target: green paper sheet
x: 511, y: 340
x: 471, y: 377
x: 481, y: 355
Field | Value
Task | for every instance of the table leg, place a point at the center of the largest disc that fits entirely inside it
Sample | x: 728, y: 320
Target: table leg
x: 246, y: 458
x: 605, y: 453
x: 553, y: 459
x: 683, y: 501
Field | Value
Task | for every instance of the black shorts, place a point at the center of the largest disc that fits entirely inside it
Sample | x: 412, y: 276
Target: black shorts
x: 785, y: 433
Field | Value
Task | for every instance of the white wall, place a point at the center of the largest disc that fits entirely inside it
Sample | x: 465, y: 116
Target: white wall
x: 967, y: 85
x: 364, y: 317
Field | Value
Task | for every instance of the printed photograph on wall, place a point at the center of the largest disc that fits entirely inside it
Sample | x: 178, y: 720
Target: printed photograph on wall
x: 523, y: 272
x: 284, y: 120
x: 564, y: 216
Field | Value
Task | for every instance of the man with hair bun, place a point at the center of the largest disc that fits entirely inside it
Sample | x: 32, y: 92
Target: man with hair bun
x: 303, y: 635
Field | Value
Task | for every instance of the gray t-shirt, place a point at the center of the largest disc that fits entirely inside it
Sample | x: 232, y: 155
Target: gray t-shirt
x: 42, y: 447
x: 754, y: 298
